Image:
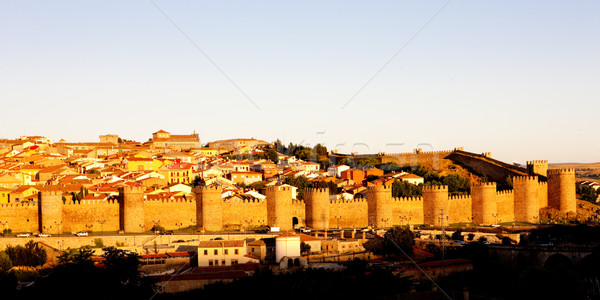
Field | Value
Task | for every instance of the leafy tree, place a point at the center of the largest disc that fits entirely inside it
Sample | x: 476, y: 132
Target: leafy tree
x: 587, y: 193
x: 259, y: 185
x: 304, y: 248
x: 404, y: 189
x: 320, y: 150
x: 198, y: 181
x: 5, y: 262
x: 366, y: 162
x: 325, y: 163
x: 457, y: 236
x: 333, y: 188
x: 470, y: 236
x: 30, y: 255
x: 301, y: 182
x: 76, y: 275
x: 399, y: 237
x: 273, y: 155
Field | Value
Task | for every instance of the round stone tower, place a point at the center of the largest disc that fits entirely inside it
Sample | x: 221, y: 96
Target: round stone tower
x: 132, y: 199
x: 317, y: 208
x: 379, y: 203
x: 537, y: 167
x: 562, y: 190
x: 209, y: 208
x: 483, y: 196
x: 526, y: 199
x: 50, y: 206
x: 279, y: 207
x: 435, y: 205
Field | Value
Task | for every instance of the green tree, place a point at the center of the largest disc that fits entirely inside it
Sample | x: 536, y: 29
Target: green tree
x: 273, y: 155
x: 399, y: 237
x: 586, y: 193
x: 76, y: 275
x: 304, y: 248
x: 366, y: 162
x: 320, y: 150
x: 457, y: 236
x: 198, y: 181
x: 5, y: 262
x: 324, y: 163
x: 30, y: 255
x: 404, y: 189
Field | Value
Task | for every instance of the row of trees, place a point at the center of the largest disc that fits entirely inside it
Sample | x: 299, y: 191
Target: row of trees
x: 588, y: 193
x: 30, y: 255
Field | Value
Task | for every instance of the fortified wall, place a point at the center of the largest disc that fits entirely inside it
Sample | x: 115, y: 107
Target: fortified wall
x: 208, y: 211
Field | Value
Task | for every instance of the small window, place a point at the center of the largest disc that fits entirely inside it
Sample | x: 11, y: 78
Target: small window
x: 237, y: 251
x: 234, y: 261
x: 223, y: 263
x: 226, y: 251
x: 210, y: 262
x: 216, y: 252
x: 205, y: 252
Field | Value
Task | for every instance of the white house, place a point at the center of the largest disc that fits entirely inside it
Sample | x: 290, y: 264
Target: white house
x: 336, y: 171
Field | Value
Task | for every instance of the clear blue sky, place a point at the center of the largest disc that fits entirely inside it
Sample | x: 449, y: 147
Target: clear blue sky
x: 519, y: 79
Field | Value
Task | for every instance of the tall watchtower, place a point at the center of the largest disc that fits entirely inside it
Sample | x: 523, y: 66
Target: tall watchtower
x: 317, y: 208
x: 526, y: 199
x: 132, y: 203
x: 484, y: 209
x: 279, y: 207
x: 379, y: 205
x: 537, y: 167
x: 562, y: 190
x: 435, y: 205
x: 209, y: 207
x: 50, y: 206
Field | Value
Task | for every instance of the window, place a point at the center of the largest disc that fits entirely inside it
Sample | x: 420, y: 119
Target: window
x: 205, y: 252
x: 234, y: 262
x: 237, y: 252
x: 216, y: 252
x: 210, y: 262
x: 223, y: 263
x: 226, y: 251
x: 216, y: 262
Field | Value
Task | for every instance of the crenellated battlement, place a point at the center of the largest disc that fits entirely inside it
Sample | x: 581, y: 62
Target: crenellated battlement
x: 131, y: 189
x: 16, y: 205
x: 51, y: 193
x: 249, y: 201
x: 348, y: 201
x: 505, y: 192
x: 525, y: 178
x: 316, y: 191
x: 92, y: 202
x: 533, y: 162
x: 379, y: 188
x: 459, y: 197
x: 484, y: 185
x: 435, y: 188
x: 419, y: 151
x: 297, y: 202
x: 280, y: 188
x: 561, y: 171
x: 408, y: 199
x: 207, y: 188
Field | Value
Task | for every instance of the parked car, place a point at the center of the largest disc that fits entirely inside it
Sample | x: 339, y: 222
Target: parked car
x: 24, y: 234
x: 179, y: 241
x: 82, y: 233
x: 41, y: 234
x: 168, y: 232
x: 304, y: 229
